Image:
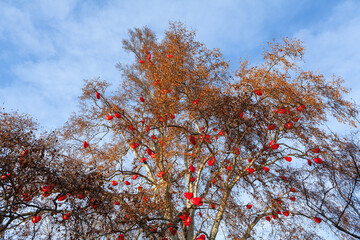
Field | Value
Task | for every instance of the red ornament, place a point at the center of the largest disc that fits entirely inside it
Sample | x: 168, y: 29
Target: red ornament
x: 292, y: 199
x: 228, y: 168
x: 192, y: 139
x: 127, y: 183
x: 288, y: 125
x: 288, y: 159
x: 143, y: 160
x: 62, y: 198
x: 257, y: 92
x: 117, y: 115
x: 192, y: 179
x: 292, y: 189
x: 301, y: 108
x: 66, y: 216
x: 142, y: 99
x: 211, y: 161
x: 295, y: 119
x: 149, y: 57
x: 161, y: 174
x: 109, y: 117
x: 188, y: 195
x: 141, y: 61
x: 237, y: 151
x: 286, y: 213
x: 241, y: 115
x: 266, y: 169
x: 316, y: 150
x: 80, y: 196
x: 187, y: 221
x: 120, y: 237
x: 134, y: 145
x: 135, y: 177
x: 97, y: 95
x: 268, y: 218
x: 249, y: 206
x: 250, y: 170
x: 272, y: 127
x: 36, y: 219
x: 201, y: 237
x: 85, y: 144
x: 169, y: 56
x: 281, y: 110
x: 275, y: 146
x: 213, y: 206
x: 196, y: 101
x: 117, y: 203
x: 317, y: 220
x: 114, y: 183
x: 283, y: 178
x: 196, y: 201
x: 309, y: 162
x: 318, y: 160
x: 192, y: 168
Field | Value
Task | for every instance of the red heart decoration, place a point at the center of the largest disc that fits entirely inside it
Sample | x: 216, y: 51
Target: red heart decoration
x: 237, y: 151
x: 272, y: 127
x: 169, y: 56
x: 274, y: 216
x: 281, y: 110
x: 66, y: 216
x: 192, y: 139
x: 149, y: 151
x: 292, y: 199
x: 192, y: 168
x: 288, y: 125
x: 196, y: 201
x: 271, y: 142
x: 114, y: 183
x: 141, y: 61
x: 85, y: 144
x: 188, y: 195
x: 295, y: 119
x: 257, y: 92
x: 318, y: 160
x: 172, y: 230
x: 211, y: 161
x: 201, y: 237
x: 97, y: 95
x: 135, y: 177
x: 221, y: 133
x: 134, y: 145
x: 127, y: 183
x: 117, y: 115
x: 301, y: 108
x: 275, y: 146
x: 143, y: 160
x: 192, y: 179
x: 184, y: 216
x: 213, y: 206
x: 278, y: 212
x: 228, y: 168
x: 187, y: 221
x: 62, y: 198
x: 120, y: 237
x: 149, y: 57
x: 161, y: 174
x: 268, y: 218
x: 109, y: 117
x: 286, y: 213
x: 283, y: 178
x: 288, y: 159
x: 117, y: 203
x: 317, y: 220
x: 316, y: 150
x: 249, y: 206
x: 309, y: 162
x: 292, y: 190
x: 250, y: 170
x: 266, y: 169
x: 80, y: 196
x: 141, y: 99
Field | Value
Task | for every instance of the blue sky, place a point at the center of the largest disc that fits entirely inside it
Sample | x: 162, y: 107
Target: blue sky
x: 48, y: 47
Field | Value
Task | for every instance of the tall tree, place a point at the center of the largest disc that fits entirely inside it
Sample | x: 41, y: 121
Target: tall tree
x: 185, y: 147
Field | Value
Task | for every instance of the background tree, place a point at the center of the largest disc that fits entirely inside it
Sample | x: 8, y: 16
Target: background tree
x: 185, y: 147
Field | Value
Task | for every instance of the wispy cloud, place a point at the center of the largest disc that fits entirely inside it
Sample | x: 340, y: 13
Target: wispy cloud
x: 49, y: 47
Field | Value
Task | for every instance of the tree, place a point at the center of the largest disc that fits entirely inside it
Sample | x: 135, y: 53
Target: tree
x: 185, y: 146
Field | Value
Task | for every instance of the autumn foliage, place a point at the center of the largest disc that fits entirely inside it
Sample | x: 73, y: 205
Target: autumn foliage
x: 186, y: 147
